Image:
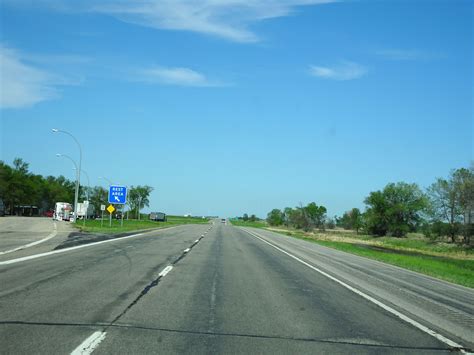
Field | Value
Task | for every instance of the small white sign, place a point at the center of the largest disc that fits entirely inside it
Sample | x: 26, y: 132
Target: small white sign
x: 102, y: 207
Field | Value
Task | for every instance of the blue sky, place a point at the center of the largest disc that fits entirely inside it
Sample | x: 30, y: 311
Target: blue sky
x: 226, y: 107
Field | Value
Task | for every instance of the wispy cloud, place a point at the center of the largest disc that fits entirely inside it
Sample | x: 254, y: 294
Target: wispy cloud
x: 229, y: 19
x: 22, y: 85
x: 342, y: 71
x: 404, y: 54
x: 175, y: 76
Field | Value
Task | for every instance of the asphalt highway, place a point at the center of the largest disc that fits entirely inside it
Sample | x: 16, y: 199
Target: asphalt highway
x: 219, y: 289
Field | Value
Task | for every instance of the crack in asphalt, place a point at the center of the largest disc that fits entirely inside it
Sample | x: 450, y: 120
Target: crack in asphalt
x: 238, y: 335
x: 153, y: 283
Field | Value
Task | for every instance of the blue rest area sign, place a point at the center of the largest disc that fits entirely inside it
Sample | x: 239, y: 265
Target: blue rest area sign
x: 117, y: 194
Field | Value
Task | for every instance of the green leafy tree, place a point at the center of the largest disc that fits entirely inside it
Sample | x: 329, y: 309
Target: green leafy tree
x: 287, y: 216
x: 98, y: 196
x: 315, y: 215
x: 356, y: 219
x: 452, y: 201
x: 297, y: 218
x: 396, y: 210
x: 464, y: 181
x: 445, y: 206
x: 275, y: 217
x: 245, y: 217
x: 345, y: 221
x: 138, y: 198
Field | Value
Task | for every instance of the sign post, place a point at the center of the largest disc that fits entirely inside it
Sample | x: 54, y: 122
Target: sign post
x: 118, y: 196
x: 102, y: 209
x: 111, y: 210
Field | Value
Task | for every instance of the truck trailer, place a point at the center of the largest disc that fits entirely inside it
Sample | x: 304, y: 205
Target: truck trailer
x: 85, y: 209
x: 158, y: 216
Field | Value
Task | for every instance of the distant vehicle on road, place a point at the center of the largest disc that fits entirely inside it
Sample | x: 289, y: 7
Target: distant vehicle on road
x: 223, y: 220
x: 158, y: 216
x: 62, y: 211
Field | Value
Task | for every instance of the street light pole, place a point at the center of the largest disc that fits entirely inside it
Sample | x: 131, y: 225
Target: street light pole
x: 78, y: 175
x: 88, y: 183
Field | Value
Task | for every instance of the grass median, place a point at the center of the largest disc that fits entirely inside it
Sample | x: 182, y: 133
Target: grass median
x: 446, y: 261
x: 96, y: 226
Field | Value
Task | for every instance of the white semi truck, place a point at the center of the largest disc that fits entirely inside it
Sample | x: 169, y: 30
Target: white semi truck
x: 62, y: 211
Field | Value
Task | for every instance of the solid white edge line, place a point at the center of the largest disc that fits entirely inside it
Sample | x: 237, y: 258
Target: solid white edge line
x: 51, y: 235
x: 35, y: 256
x: 367, y: 297
x: 165, y: 271
x: 90, y: 344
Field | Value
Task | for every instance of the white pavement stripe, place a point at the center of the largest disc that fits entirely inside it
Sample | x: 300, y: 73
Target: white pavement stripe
x: 196, y: 241
x: 187, y: 250
x: 165, y: 271
x: 35, y: 256
x: 367, y: 297
x: 51, y: 235
x: 90, y: 344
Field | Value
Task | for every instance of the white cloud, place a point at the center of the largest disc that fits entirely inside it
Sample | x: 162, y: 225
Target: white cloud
x: 343, y: 71
x: 175, y: 76
x: 229, y: 19
x: 22, y: 85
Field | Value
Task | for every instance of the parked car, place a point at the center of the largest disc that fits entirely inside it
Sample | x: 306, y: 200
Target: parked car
x: 49, y: 213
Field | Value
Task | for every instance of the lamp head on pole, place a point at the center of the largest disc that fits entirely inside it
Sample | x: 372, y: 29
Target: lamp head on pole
x: 54, y: 130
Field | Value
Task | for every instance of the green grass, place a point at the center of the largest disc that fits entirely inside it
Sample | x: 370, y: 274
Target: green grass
x: 447, y: 268
x: 94, y: 226
x: 241, y: 223
x: 413, y: 242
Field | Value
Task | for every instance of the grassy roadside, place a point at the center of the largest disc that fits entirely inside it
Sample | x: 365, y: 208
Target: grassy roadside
x: 256, y: 224
x: 441, y: 260
x: 94, y: 226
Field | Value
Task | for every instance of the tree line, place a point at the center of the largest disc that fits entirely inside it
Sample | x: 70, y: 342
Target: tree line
x: 444, y: 209
x: 19, y: 186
